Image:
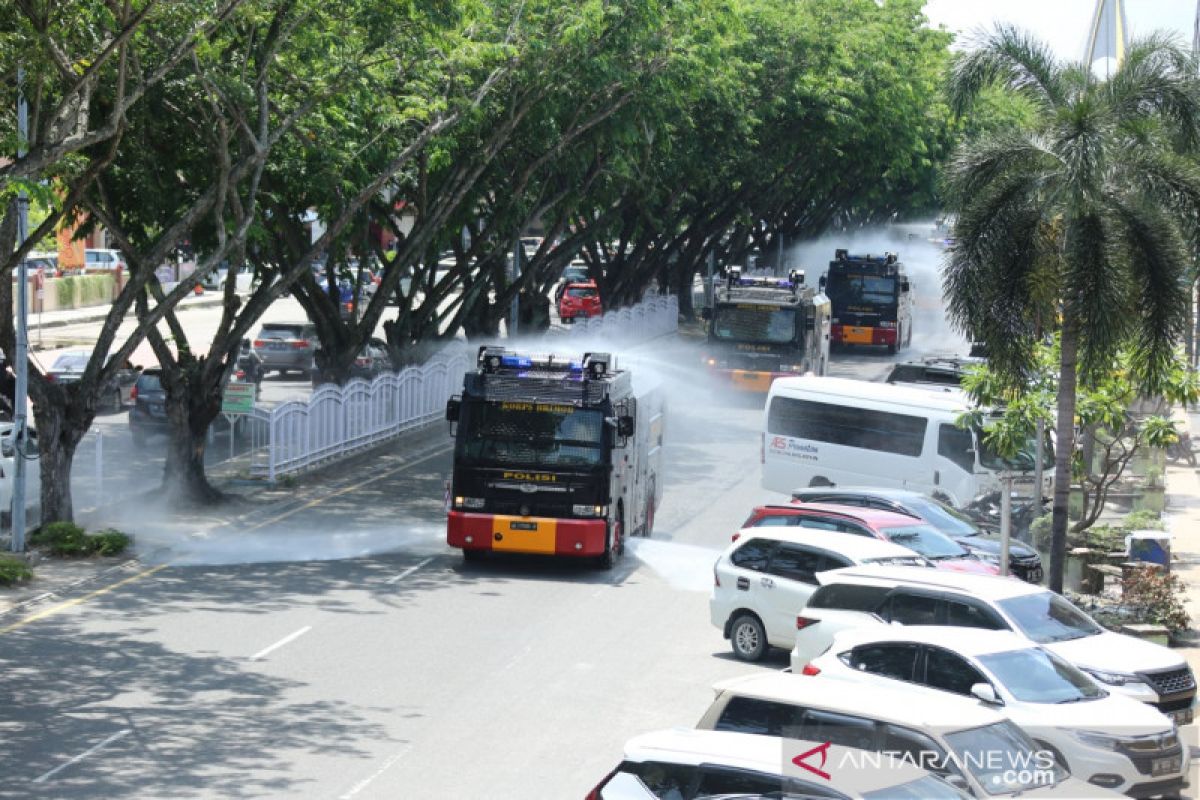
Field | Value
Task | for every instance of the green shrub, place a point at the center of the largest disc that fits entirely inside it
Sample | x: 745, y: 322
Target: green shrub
x: 1142, y: 521
x: 109, y: 542
x: 66, y: 290
x: 96, y: 289
x: 62, y: 539
x: 1039, y: 530
x: 1155, y: 598
x: 13, y: 571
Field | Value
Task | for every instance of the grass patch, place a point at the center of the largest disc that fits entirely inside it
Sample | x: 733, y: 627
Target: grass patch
x: 69, y: 539
x: 13, y: 571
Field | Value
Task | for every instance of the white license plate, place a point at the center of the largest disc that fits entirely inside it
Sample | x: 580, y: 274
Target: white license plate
x: 1165, y: 766
x: 1181, y: 717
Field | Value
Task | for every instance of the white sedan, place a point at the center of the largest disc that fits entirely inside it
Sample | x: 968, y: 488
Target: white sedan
x: 1106, y: 739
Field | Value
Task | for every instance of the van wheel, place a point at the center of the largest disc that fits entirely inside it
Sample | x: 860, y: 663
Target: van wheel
x: 748, y: 638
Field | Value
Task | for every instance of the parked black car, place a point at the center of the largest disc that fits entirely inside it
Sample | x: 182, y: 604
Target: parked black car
x: 1023, y: 560
x: 148, y: 415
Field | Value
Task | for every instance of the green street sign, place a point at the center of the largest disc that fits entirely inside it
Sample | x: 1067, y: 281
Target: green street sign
x: 238, y: 398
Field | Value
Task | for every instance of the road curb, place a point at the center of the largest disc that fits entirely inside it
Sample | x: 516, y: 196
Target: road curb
x: 100, y: 316
x: 130, y: 564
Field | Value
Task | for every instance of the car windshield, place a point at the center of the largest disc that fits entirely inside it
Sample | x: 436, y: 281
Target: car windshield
x: 1034, y: 675
x: 280, y: 332
x: 1047, y: 617
x: 750, y: 323
x: 71, y: 362
x: 869, y: 291
x: 926, y: 540
x: 946, y: 519
x: 929, y: 787
x: 1004, y: 759
x: 582, y: 291
x: 529, y: 434
x: 148, y: 383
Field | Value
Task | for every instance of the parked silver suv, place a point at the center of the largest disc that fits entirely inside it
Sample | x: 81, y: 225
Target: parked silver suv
x: 286, y: 347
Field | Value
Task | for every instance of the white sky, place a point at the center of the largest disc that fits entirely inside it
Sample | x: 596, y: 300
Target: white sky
x: 1062, y: 24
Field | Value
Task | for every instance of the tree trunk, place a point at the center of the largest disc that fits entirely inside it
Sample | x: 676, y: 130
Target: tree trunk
x: 1064, y: 449
x: 683, y: 290
x: 57, y: 440
x: 184, y: 478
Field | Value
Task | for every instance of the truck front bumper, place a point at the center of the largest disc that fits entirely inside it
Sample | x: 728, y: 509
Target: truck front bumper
x: 511, y: 534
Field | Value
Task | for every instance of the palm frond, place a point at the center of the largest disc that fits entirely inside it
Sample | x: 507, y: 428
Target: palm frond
x: 1099, y: 295
x: 1007, y: 57
x: 1158, y: 77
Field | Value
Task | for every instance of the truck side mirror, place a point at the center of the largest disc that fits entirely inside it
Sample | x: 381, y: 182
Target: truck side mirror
x: 453, y: 406
x: 904, y: 287
x: 625, y: 426
x: 706, y: 313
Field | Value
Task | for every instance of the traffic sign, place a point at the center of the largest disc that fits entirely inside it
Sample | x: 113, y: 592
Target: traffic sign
x: 238, y: 398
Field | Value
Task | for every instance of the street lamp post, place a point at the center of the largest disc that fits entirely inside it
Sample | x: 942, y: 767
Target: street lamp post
x: 21, y: 356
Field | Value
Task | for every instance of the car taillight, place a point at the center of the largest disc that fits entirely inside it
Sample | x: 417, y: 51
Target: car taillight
x: 737, y: 536
x: 803, y: 622
x: 50, y: 376
x: 362, y: 362
x: 241, y: 373
x: 300, y: 344
x: 133, y: 393
x: 259, y: 343
x: 809, y: 669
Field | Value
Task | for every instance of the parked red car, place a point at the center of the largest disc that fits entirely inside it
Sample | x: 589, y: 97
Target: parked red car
x: 916, y: 535
x: 579, y: 300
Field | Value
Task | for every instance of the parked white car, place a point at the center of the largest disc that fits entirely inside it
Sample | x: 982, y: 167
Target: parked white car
x: 1103, y: 738
x: 683, y: 764
x: 33, y: 470
x: 102, y: 262
x: 970, y: 746
x: 766, y: 576
x: 864, y: 596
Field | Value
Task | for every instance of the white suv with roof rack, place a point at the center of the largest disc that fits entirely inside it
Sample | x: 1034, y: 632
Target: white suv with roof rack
x: 765, y: 577
x: 1101, y: 737
x: 859, y: 596
x: 964, y: 743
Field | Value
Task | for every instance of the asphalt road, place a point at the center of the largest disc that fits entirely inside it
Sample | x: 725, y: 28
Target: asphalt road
x: 324, y: 642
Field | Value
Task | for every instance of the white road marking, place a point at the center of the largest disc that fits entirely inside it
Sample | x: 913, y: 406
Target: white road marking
x: 47, y: 776
x: 291, y: 637
x: 408, y: 571
x: 365, y: 782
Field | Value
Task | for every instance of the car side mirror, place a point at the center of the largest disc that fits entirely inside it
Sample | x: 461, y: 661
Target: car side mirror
x: 706, y: 314
x: 625, y: 426
x: 453, y: 407
x: 986, y: 693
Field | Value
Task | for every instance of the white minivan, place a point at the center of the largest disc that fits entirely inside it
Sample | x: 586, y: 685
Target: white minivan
x: 821, y: 431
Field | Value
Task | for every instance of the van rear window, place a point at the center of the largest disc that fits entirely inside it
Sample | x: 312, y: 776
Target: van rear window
x: 881, y: 431
x: 848, y: 596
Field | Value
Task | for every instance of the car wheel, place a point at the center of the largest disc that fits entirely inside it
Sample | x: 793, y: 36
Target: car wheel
x: 748, y: 638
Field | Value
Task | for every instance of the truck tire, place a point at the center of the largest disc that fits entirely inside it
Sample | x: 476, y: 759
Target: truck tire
x: 472, y: 556
x: 747, y: 637
x: 615, y: 545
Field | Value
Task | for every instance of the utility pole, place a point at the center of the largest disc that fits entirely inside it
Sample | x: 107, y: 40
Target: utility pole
x: 515, y: 273
x: 1006, y: 483
x: 21, y: 356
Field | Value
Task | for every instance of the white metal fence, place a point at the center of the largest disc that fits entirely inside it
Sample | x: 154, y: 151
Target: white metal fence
x: 337, y: 421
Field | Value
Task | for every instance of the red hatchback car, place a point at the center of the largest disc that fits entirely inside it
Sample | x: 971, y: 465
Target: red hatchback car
x: 579, y: 300
x: 900, y: 529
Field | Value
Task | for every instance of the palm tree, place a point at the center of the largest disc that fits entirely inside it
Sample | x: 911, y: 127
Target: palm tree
x: 1084, y: 220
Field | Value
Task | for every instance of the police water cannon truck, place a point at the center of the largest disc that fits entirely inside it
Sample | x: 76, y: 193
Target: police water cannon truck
x: 762, y: 327
x: 553, y: 456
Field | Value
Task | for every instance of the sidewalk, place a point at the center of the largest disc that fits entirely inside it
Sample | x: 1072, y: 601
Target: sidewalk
x: 1182, y: 519
x: 81, y: 316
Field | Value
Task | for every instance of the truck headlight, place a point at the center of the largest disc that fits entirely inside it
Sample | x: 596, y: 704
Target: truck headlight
x: 468, y: 502
x: 588, y: 511
x: 1112, y: 678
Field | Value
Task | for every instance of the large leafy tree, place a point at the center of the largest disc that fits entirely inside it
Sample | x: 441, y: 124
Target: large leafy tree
x: 1079, y: 221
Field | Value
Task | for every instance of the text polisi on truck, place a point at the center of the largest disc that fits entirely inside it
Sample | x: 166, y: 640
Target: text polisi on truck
x: 763, y: 328
x: 870, y: 300
x: 553, y: 456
